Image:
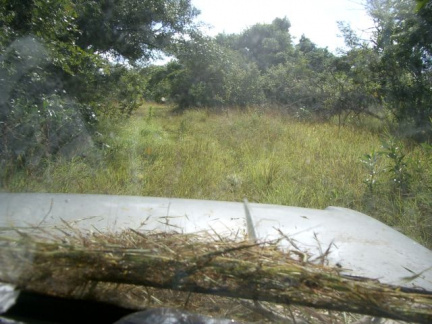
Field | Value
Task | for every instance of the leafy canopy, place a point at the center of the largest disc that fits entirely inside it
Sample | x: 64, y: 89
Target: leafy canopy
x: 54, y: 80
x: 132, y: 28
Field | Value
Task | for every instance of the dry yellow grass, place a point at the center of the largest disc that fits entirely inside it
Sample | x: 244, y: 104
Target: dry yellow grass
x: 203, y: 272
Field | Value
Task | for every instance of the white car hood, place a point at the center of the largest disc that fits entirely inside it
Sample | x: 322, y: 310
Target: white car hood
x: 360, y: 244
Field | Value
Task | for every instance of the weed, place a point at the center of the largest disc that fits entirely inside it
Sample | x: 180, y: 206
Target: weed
x: 370, y: 161
x: 397, y: 166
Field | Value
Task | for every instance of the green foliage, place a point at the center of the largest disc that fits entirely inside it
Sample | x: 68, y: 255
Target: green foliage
x: 37, y: 116
x: 208, y: 75
x: 315, y: 82
x: 32, y: 133
x: 53, y: 24
x: 261, y: 66
x: 399, y: 186
x: 39, y: 113
x: 266, y: 45
x: 305, y: 80
x: 159, y: 80
x: 295, y: 86
x: 403, y: 41
x: 124, y: 90
x: 421, y: 4
x: 54, y: 79
x: 398, y: 167
x: 132, y: 29
x: 370, y: 161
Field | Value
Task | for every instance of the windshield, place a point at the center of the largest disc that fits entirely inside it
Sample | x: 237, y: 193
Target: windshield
x: 302, y: 104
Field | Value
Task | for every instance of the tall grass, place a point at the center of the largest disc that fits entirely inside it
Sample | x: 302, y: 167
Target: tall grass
x: 265, y: 156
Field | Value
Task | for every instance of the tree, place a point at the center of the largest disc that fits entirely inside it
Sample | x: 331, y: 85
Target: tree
x: 354, y: 85
x: 159, y: 79
x: 305, y: 45
x: 53, y: 78
x: 300, y: 84
x: 402, y: 38
x: 207, y: 74
x: 133, y: 29
x: 265, y: 44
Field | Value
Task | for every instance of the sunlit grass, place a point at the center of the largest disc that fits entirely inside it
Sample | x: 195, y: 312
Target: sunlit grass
x: 264, y: 156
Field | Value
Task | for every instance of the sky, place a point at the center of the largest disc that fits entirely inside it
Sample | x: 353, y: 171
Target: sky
x: 314, y: 18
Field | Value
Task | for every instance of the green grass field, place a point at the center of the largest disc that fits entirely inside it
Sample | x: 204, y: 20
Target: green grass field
x: 264, y: 156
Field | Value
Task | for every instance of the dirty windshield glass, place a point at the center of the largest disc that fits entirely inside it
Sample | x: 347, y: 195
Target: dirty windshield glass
x: 196, y: 160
